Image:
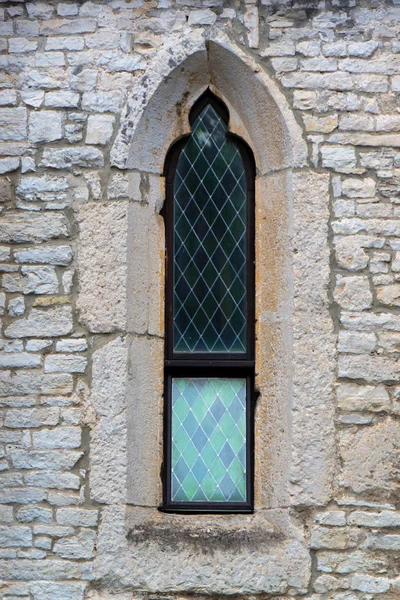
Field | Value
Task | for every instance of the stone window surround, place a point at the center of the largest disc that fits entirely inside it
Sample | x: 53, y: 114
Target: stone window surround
x: 295, y: 342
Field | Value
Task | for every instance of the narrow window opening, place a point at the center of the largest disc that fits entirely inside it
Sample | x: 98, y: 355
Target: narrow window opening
x: 209, y: 349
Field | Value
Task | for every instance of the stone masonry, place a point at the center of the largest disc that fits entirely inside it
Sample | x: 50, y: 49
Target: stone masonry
x: 84, y: 128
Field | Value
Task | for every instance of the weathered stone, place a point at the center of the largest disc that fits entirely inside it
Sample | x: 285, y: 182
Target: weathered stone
x: 20, y: 228
x: 102, y: 297
x: 64, y: 158
x: 366, y: 583
x: 45, y: 126
x: 9, y: 360
x: 349, y: 254
x: 353, y: 293
x: 13, y: 124
x: 356, y: 342
x: 34, y: 280
x: 31, y: 417
x: 42, y: 459
x: 53, y: 255
x: 7, y: 165
x: 334, y: 539
x: 368, y: 456
x: 368, y: 519
x: 389, y: 294
x: 104, y: 102
x: 47, y: 323
x: 99, y: 129
x: 47, y: 590
x: 338, y: 158
x: 65, y: 363
x: 370, y: 368
x: 108, y: 460
x: 15, y: 536
x: 358, y: 188
x: 72, y: 345
x: 77, y: 517
x: 78, y: 547
x: 30, y: 513
x: 362, y: 397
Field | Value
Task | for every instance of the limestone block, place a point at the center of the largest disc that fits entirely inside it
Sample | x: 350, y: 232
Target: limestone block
x: 358, y: 188
x: 53, y: 255
x: 385, y: 518
x: 349, y: 253
x: 54, y: 480
x: 349, y: 562
x: 108, y: 458
x: 64, y: 363
x: 353, y: 293
x: 48, y: 590
x: 47, y: 323
x: 67, y: 26
x: 78, y: 547
x: 45, y: 126
x: 72, y: 345
x: 15, y: 536
x: 34, y: 280
x: 99, y: 129
x: 22, y: 359
x: 64, y: 158
x: 202, y: 17
x: 366, y: 583
x: 369, y: 458
x: 42, y: 459
x: 313, y: 346
x: 31, y: 382
x: 145, y: 380
x: 30, y: 513
x: 13, y: 124
x: 334, y: 539
x: 102, y: 266
x: 370, y: 368
x: 20, y: 228
x: 77, y: 517
x: 137, y: 552
x: 102, y: 102
x: 7, y: 165
x: 356, y: 342
x: 389, y: 294
x: 59, y: 437
x: 351, y: 396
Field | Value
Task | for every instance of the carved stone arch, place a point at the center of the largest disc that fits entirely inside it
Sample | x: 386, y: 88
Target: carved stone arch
x: 295, y: 342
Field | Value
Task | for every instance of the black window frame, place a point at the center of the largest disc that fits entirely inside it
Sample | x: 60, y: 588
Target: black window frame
x: 195, y: 364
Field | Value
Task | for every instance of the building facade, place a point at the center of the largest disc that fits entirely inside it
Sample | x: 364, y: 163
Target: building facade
x: 92, y: 97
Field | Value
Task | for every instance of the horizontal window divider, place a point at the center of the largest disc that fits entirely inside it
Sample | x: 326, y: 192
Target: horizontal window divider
x: 209, y: 364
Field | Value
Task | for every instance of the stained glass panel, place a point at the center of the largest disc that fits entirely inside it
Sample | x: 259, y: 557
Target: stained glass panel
x: 208, y: 440
x: 209, y: 241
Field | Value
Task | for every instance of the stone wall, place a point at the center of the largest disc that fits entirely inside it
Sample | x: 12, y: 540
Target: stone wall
x: 91, y: 96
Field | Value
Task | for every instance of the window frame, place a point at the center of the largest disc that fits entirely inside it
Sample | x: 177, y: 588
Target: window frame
x: 209, y: 364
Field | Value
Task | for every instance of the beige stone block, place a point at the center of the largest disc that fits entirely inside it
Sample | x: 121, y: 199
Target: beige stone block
x: 144, y: 420
x: 351, y: 396
x: 108, y: 445
x: 353, y: 293
x: 389, y: 294
x: 369, y: 457
x: 102, y: 266
x: 370, y: 368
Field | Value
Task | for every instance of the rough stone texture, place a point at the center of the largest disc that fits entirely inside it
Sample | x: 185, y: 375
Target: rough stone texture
x: 93, y: 94
x: 108, y: 461
x: 369, y: 457
x: 101, y: 259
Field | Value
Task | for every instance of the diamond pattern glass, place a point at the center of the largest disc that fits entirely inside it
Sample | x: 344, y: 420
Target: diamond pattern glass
x: 208, y: 440
x: 209, y: 241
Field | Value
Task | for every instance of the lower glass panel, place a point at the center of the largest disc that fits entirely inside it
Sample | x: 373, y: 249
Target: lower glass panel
x: 208, y: 440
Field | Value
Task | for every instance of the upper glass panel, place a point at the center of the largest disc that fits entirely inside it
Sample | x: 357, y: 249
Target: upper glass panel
x: 209, y: 273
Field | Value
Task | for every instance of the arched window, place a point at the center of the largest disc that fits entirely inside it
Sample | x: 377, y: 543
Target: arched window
x: 209, y: 349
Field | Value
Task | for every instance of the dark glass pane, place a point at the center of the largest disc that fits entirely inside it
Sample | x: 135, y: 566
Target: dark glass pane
x: 210, y: 241
x: 208, y: 440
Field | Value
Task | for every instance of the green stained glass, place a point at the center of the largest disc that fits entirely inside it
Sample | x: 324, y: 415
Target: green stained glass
x: 209, y: 241
x: 208, y: 440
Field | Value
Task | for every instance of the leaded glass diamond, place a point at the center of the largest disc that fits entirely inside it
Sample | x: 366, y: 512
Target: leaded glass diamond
x: 208, y: 440
x: 209, y: 241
